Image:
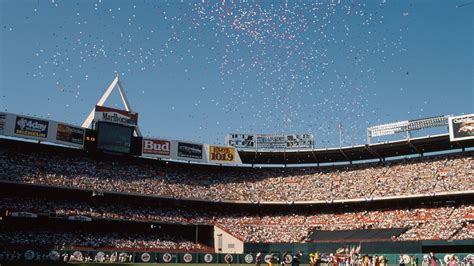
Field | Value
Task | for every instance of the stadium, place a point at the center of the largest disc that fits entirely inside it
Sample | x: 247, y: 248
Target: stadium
x: 288, y: 133
x: 101, y: 192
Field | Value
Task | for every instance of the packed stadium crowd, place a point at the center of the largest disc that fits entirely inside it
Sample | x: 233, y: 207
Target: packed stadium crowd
x: 78, y: 239
x: 104, y: 211
x: 444, y: 222
x: 446, y: 173
x: 441, y: 223
x: 405, y: 177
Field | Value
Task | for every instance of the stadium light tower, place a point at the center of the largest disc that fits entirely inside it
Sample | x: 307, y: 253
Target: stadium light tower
x: 406, y: 126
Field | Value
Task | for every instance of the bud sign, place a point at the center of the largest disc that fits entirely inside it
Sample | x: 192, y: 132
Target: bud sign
x: 156, y: 147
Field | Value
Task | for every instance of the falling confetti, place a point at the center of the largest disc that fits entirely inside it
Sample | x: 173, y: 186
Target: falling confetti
x: 281, y: 65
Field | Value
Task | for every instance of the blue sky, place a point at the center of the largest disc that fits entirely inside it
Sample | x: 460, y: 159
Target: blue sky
x: 197, y: 70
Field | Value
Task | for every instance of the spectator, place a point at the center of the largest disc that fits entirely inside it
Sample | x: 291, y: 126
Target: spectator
x: 407, y: 177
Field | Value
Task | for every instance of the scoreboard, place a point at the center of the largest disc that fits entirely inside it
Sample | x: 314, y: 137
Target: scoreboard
x: 114, y: 137
x: 270, y: 141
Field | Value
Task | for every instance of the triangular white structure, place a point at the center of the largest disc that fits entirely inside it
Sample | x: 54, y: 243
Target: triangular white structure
x: 115, y: 83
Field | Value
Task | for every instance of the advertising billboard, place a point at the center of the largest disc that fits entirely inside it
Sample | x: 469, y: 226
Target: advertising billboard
x: 3, y: 122
x: 156, y: 147
x: 461, y: 127
x: 190, y: 150
x: 70, y: 134
x: 115, y: 116
x: 221, y: 154
x: 31, y: 127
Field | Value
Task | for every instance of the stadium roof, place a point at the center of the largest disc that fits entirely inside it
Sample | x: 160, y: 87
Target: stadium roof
x: 379, y: 151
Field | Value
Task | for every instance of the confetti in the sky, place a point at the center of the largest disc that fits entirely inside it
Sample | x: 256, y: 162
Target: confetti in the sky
x: 282, y: 65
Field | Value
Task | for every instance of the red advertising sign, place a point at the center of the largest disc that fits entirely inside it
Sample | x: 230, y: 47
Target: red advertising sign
x: 117, y: 116
x: 156, y: 147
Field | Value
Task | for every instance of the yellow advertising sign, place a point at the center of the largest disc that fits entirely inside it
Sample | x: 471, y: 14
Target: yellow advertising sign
x: 223, y: 154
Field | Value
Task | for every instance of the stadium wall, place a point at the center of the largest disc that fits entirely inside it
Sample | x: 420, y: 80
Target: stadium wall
x: 226, y: 243
x: 388, y: 247
x: 182, y: 258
